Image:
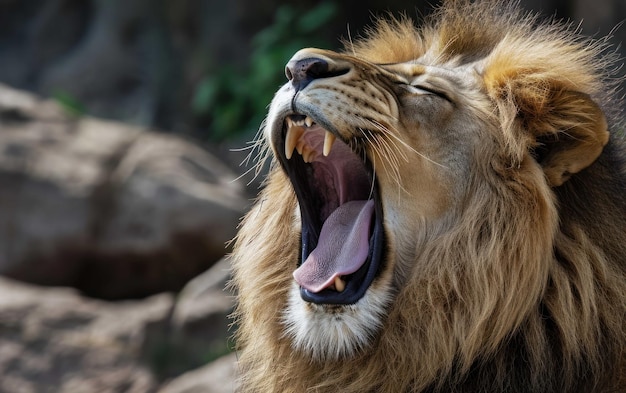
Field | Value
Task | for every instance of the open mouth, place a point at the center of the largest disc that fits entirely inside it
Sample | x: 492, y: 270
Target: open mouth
x: 342, y: 222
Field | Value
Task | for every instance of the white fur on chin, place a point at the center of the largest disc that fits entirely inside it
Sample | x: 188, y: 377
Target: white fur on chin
x: 334, y: 332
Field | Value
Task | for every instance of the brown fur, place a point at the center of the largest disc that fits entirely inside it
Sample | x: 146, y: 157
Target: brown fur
x: 527, y: 290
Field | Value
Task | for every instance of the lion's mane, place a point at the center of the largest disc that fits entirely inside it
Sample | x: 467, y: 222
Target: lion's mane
x: 528, y: 293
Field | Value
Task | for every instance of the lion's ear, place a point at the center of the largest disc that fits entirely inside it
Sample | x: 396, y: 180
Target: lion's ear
x: 569, y: 132
x: 544, y: 103
x: 565, y: 129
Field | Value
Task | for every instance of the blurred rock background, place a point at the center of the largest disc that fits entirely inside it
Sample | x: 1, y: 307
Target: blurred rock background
x: 118, y: 190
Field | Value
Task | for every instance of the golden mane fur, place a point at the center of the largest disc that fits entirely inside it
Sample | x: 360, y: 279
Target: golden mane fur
x: 527, y: 291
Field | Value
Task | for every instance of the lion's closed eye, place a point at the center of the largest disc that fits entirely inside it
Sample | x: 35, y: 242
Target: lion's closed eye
x: 425, y: 90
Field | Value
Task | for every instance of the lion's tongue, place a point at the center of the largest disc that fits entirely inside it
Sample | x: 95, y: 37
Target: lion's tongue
x: 342, y: 248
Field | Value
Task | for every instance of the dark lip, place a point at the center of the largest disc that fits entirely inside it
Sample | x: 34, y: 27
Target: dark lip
x: 360, y: 281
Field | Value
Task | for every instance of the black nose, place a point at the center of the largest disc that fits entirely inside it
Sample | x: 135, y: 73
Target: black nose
x: 302, y: 72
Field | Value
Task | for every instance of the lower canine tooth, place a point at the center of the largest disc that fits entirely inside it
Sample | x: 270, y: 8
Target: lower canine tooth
x: 339, y: 284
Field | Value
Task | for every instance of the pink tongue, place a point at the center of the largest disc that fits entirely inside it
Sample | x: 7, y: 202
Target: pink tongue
x: 342, y: 248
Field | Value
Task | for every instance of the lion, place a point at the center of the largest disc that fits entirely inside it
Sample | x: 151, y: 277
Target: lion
x: 445, y: 211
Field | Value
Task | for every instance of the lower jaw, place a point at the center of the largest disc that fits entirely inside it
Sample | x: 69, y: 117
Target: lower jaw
x: 330, y: 332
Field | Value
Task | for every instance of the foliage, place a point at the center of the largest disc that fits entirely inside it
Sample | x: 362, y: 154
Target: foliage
x: 69, y: 103
x: 235, y: 100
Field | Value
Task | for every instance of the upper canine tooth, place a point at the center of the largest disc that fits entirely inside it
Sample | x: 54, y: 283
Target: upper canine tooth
x: 291, y: 139
x: 329, y: 139
x: 308, y: 121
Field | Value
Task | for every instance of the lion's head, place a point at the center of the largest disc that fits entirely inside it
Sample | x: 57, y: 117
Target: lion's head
x: 431, y: 215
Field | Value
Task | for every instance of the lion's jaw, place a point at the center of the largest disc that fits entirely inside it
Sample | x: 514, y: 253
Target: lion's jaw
x: 390, y: 124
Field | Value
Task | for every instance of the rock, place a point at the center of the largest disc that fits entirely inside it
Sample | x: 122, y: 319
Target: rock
x: 137, y: 60
x: 202, y: 298
x: 199, y: 327
x: 216, y: 377
x: 113, y: 210
x: 53, y: 340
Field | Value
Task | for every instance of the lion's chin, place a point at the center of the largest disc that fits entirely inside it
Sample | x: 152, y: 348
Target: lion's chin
x: 334, y: 332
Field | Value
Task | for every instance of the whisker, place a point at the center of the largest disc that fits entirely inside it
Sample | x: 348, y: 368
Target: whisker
x: 393, y: 145
x: 252, y: 145
x: 350, y: 41
x: 385, y: 130
x: 389, y: 146
x: 392, y: 134
x: 260, y: 161
x: 375, y: 148
x: 385, y: 154
x: 392, y: 157
x: 256, y: 143
x: 371, y: 194
x: 259, y: 153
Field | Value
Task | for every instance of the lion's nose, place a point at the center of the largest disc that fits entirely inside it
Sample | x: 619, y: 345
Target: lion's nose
x: 301, y: 72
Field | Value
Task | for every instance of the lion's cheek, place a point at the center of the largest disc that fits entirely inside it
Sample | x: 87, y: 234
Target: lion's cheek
x: 410, y: 223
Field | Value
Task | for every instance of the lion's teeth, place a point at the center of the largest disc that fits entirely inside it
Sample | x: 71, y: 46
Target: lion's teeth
x: 300, y: 146
x: 340, y: 285
x: 329, y: 139
x: 308, y: 154
x: 294, y: 133
x: 294, y: 139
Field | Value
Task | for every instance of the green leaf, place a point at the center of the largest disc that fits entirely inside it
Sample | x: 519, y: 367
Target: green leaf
x: 204, y: 96
x: 234, y: 100
x: 317, y: 17
x: 69, y: 103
